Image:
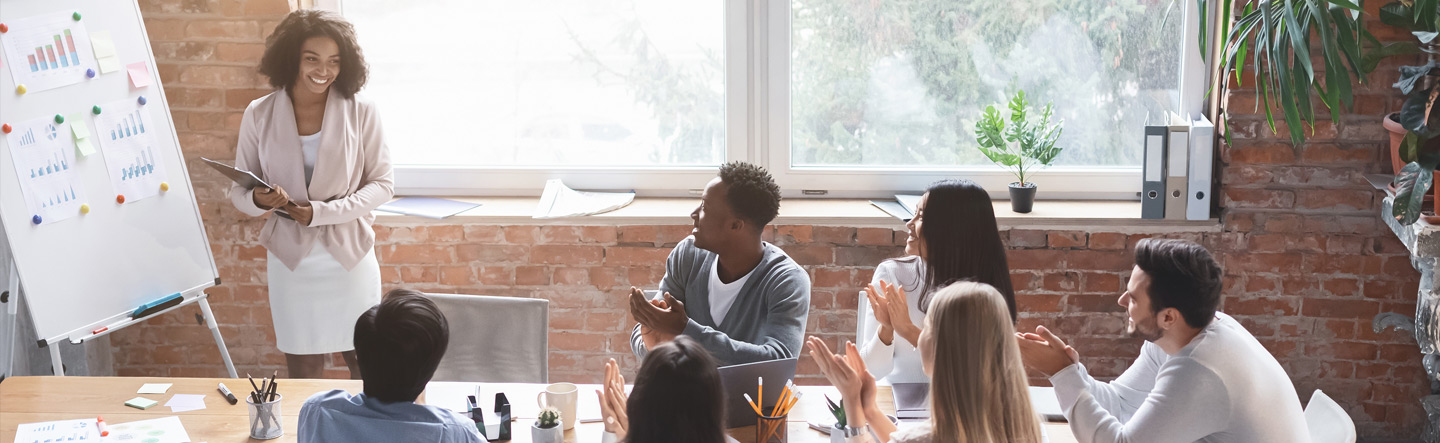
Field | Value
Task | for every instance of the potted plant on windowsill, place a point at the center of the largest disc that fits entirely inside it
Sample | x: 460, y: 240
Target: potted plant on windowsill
x: 1021, y: 146
x: 1415, y: 129
x: 547, y: 427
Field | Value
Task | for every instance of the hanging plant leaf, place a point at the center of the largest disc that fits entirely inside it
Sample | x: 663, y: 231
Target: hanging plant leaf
x: 1410, y: 75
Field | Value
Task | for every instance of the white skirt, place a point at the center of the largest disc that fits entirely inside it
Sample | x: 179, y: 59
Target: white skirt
x: 315, y: 306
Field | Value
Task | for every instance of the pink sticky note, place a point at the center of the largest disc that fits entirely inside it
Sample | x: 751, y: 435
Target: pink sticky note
x: 139, y: 74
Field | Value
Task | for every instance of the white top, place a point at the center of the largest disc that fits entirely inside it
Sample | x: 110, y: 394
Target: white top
x: 1222, y: 387
x: 897, y: 362
x: 723, y: 295
x: 310, y: 147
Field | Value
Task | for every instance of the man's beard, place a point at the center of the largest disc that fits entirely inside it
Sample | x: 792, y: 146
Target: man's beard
x: 1149, y: 329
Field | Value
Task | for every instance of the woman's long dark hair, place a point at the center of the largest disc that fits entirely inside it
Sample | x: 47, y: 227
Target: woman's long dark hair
x: 677, y: 396
x: 962, y: 241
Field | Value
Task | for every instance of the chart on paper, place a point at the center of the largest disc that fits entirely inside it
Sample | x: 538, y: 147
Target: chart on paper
x: 127, y: 140
x: 48, y: 51
x: 44, y: 158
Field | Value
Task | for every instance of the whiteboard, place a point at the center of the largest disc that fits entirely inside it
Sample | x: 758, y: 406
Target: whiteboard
x: 93, y: 269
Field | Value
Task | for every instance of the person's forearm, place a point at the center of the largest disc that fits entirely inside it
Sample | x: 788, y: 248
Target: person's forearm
x: 886, y: 334
x: 878, y: 421
x: 911, y: 334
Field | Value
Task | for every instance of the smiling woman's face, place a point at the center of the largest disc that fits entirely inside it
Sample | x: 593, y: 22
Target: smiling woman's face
x: 319, y: 65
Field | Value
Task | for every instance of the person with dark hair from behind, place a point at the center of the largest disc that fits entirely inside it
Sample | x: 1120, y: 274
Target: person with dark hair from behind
x: 398, y: 343
x: 1200, y: 375
x: 953, y: 237
x: 738, y: 296
x: 677, y: 398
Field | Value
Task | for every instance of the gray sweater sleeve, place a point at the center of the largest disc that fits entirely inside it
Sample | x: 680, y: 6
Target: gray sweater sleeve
x: 677, y: 273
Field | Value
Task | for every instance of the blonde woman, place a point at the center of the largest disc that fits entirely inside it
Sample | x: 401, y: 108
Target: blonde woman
x: 967, y: 347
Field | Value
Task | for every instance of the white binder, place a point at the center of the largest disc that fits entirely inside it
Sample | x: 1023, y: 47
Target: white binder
x: 1177, y: 167
x: 1202, y: 159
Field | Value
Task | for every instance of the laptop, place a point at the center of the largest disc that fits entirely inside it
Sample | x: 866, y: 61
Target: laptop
x: 738, y: 380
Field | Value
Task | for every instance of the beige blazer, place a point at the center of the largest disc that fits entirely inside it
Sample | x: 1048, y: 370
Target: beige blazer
x: 352, y: 176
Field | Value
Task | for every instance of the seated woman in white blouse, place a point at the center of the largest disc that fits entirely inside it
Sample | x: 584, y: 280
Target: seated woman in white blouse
x: 979, y: 393
x: 953, y: 237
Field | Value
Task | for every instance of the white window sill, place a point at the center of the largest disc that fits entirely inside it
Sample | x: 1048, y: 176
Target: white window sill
x: 1047, y: 214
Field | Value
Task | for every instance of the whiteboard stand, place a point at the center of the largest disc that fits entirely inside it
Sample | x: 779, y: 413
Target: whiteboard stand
x: 196, y: 295
x: 13, y: 310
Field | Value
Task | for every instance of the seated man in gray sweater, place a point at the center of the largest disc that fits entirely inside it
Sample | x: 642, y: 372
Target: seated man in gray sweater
x: 741, y: 298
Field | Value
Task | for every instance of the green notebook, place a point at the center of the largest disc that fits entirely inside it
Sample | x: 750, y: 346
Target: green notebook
x: 141, y: 403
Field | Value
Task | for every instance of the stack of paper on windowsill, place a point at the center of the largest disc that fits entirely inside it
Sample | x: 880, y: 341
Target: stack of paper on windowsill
x: 560, y: 201
x: 903, y: 207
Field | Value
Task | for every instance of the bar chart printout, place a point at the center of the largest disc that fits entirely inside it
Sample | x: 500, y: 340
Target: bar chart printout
x: 47, y: 51
x: 44, y: 159
x: 128, y: 142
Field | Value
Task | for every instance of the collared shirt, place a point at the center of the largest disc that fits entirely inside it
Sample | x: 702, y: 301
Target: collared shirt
x: 338, y: 417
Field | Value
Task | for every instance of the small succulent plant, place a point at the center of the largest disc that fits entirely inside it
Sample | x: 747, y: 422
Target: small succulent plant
x: 838, y: 410
x: 549, y: 417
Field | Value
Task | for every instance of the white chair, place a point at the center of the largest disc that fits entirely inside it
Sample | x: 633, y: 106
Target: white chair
x: 495, y: 339
x: 1327, y: 421
x: 860, y: 318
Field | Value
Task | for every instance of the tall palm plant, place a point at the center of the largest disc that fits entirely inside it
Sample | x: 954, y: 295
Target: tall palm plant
x: 1273, y: 36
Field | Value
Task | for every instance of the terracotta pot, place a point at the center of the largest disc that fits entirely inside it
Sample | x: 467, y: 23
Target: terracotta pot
x: 1397, y: 134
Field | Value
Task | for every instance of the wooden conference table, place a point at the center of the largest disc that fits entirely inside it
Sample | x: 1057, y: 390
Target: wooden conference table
x: 38, y: 399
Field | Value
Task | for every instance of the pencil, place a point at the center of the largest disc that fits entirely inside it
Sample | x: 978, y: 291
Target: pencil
x: 255, y: 393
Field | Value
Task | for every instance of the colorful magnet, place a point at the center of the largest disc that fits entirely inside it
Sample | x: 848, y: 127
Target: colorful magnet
x: 141, y: 100
x: 59, y: 118
x: 4, y: 28
x: 75, y: 16
x: 95, y: 109
x: 84, y: 209
x: 20, y: 89
x: 90, y: 73
x: 164, y: 186
x: 120, y: 199
x: 5, y: 127
x: 35, y: 219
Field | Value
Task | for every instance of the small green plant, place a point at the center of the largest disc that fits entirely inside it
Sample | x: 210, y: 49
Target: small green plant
x: 838, y: 410
x: 549, y: 417
x: 1023, y: 145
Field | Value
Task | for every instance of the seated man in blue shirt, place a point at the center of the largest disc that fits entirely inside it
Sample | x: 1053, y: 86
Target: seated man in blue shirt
x: 398, y: 343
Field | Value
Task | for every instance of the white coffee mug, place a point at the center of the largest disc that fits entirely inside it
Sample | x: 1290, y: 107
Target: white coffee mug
x: 563, y: 397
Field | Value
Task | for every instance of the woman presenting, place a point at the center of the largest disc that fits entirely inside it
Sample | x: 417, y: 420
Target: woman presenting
x: 321, y: 148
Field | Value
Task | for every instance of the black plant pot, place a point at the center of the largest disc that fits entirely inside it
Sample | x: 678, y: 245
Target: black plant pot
x: 1022, y: 197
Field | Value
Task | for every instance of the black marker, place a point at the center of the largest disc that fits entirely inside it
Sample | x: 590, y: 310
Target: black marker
x: 228, y: 396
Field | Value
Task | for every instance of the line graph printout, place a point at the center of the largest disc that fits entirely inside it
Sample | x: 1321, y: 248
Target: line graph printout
x: 127, y: 137
x: 47, y: 51
x: 43, y: 153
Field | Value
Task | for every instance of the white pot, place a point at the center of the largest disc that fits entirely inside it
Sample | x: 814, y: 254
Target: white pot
x: 554, y: 434
x: 837, y: 434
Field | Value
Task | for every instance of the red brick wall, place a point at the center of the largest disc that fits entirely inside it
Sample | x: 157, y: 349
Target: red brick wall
x: 1308, y: 262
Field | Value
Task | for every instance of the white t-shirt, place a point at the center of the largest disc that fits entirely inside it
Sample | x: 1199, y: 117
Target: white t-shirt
x: 1222, y: 387
x: 722, y: 295
x: 897, y: 362
x: 310, y: 148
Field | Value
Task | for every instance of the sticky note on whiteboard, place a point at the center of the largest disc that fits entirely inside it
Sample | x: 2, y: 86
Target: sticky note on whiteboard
x: 139, y: 74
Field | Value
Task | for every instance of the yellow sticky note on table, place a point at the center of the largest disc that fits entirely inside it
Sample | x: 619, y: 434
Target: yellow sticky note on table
x: 101, y: 43
x: 84, y: 147
x: 78, y: 126
x: 139, y: 74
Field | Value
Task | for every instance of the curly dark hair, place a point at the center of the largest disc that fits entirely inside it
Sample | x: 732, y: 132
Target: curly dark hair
x: 752, y: 194
x: 281, y: 61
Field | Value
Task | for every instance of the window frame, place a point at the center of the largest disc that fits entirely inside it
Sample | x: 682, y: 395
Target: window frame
x: 757, y: 49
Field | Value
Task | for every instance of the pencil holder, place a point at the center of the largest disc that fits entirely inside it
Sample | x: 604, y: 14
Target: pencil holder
x: 771, y: 429
x: 265, y: 421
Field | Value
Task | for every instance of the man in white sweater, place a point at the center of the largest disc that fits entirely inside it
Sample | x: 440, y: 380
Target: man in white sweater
x: 1200, y: 375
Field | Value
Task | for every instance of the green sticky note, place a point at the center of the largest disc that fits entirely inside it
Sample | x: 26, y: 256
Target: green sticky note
x: 78, y: 126
x: 108, y: 64
x: 84, y: 147
x: 141, y: 403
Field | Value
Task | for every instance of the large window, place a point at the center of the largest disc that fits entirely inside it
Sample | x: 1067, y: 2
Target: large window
x: 850, y: 97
